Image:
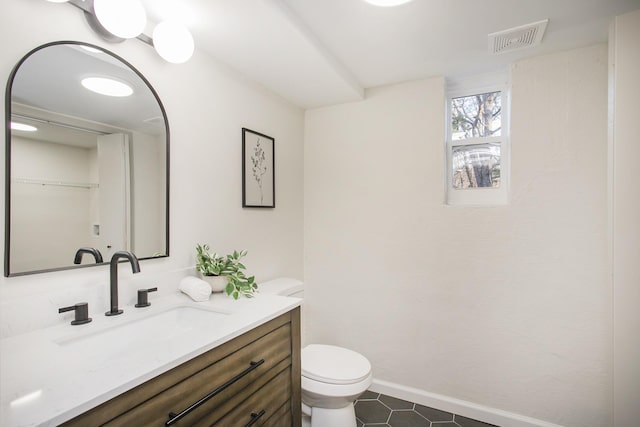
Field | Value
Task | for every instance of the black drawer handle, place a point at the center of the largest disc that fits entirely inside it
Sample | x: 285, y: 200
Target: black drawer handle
x: 255, y: 417
x: 174, y: 418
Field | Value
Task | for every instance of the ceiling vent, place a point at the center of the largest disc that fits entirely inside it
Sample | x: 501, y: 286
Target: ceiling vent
x: 517, y: 38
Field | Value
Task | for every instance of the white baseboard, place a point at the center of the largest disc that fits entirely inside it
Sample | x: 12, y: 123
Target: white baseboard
x: 456, y: 406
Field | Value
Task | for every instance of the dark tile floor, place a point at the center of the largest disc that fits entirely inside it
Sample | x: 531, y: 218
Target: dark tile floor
x: 375, y: 409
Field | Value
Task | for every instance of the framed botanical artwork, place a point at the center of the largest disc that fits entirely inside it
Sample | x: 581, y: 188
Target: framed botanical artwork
x: 258, y: 170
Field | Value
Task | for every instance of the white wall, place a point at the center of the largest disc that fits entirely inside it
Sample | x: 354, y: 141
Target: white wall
x: 207, y: 105
x: 625, y: 56
x: 113, y: 194
x: 148, y: 198
x: 506, y: 307
x: 35, y: 206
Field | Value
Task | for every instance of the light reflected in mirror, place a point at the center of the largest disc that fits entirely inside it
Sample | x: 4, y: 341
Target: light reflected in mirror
x: 93, y: 173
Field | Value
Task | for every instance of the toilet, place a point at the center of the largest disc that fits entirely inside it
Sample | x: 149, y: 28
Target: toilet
x: 332, y: 377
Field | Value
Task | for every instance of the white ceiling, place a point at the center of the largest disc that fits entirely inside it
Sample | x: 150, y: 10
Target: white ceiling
x: 46, y: 93
x: 323, y: 52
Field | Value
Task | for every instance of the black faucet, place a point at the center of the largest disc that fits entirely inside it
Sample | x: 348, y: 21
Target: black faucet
x: 113, y: 278
x: 93, y: 251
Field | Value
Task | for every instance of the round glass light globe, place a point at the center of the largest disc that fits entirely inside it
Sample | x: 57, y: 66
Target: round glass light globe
x: 173, y: 42
x: 122, y: 18
x: 387, y: 3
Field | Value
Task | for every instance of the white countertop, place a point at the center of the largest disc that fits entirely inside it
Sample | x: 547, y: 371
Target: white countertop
x: 44, y: 383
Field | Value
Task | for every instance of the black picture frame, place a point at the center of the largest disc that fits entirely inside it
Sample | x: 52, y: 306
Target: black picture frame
x: 258, y: 170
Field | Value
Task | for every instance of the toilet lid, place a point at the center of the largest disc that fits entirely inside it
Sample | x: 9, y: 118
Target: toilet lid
x: 334, y: 365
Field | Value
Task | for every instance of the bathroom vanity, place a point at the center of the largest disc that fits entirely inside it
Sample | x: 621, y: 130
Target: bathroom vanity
x: 221, y: 362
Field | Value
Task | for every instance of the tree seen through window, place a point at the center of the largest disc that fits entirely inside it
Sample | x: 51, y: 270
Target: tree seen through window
x: 476, y: 117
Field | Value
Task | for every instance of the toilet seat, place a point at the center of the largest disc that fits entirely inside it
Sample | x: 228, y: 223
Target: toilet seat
x: 334, y: 365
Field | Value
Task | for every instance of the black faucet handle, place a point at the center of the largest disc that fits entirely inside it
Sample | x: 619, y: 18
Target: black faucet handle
x: 81, y: 313
x: 143, y: 297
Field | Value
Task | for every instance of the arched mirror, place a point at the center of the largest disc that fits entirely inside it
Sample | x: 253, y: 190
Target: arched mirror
x: 85, y: 167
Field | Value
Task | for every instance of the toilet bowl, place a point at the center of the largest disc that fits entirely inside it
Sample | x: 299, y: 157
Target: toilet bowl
x: 332, y: 377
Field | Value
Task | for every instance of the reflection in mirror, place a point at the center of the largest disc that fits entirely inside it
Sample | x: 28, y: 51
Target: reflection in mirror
x: 84, y: 169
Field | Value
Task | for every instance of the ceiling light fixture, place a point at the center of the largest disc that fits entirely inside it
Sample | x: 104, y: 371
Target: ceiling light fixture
x: 23, y: 127
x: 118, y: 20
x: 122, y: 18
x: 173, y: 42
x: 387, y: 3
x: 107, y: 86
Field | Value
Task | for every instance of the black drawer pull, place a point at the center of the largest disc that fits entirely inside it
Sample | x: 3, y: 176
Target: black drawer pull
x: 255, y: 417
x: 174, y: 418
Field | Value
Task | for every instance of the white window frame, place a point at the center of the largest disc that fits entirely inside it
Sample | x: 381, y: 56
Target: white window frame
x: 467, y: 87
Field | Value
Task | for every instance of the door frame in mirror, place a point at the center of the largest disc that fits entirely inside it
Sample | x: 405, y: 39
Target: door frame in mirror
x: 8, y: 111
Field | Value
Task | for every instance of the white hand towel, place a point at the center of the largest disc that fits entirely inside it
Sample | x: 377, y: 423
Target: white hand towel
x: 197, y: 289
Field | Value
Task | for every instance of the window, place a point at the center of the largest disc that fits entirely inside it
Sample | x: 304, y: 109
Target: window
x: 477, y: 142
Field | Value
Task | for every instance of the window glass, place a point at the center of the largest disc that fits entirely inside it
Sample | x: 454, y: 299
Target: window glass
x: 476, y: 116
x: 477, y: 144
x: 476, y: 165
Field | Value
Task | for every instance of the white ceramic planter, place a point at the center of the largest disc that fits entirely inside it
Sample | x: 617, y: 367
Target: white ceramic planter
x: 217, y: 283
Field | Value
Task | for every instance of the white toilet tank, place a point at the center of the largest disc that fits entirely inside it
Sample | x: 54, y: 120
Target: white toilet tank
x: 287, y: 287
x: 284, y: 286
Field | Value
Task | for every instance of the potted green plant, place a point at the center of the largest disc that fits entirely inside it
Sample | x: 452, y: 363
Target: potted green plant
x: 225, y: 272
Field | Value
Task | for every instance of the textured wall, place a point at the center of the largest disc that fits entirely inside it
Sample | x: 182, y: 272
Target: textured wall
x: 625, y: 55
x: 507, y: 307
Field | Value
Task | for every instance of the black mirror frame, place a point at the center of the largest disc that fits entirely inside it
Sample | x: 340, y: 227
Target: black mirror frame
x: 7, y: 206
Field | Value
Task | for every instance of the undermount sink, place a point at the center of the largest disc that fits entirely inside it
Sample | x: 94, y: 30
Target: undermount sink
x: 158, y: 328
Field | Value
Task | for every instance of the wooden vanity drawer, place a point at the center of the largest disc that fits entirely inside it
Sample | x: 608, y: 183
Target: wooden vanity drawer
x: 281, y: 418
x: 260, y: 406
x: 228, y: 378
x: 225, y: 371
